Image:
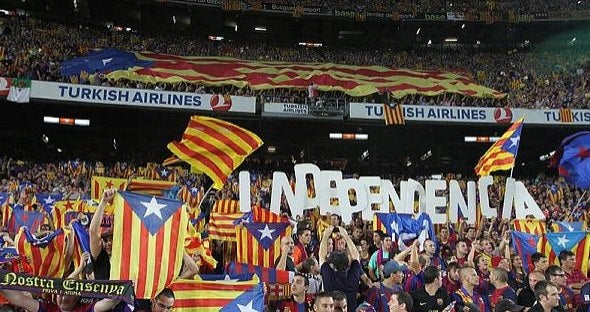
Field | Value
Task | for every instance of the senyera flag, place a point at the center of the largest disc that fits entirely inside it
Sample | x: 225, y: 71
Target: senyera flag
x: 264, y: 75
x: 148, y: 242
x: 215, y: 147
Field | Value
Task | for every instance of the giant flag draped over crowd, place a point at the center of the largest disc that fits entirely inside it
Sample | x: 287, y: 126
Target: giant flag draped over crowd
x: 259, y: 75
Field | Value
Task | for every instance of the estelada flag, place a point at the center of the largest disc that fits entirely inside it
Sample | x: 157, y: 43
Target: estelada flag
x: 502, y: 154
x: 208, y: 296
x: 576, y: 242
x: 260, y: 243
x: 46, y: 254
x: 148, y: 241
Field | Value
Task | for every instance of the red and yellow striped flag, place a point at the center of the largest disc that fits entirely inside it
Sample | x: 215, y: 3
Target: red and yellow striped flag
x: 147, y: 244
x: 99, y: 184
x: 149, y: 187
x: 46, y: 258
x: 530, y: 226
x: 221, y: 226
x: 502, y: 155
x: 263, y: 215
x: 393, y: 114
x: 565, y: 115
x: 260, y: 243
x: 226, y: 206
x: 215, y: 147
x: 208, y: 296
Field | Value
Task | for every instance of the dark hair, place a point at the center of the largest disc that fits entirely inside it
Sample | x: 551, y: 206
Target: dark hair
x: 337, y: 295
x: 305, y: 279
x: 301, y: 230
x: 541, y: 288
x: 551, y: 271
x: 405, y: 298
x: 430, y: 274
x: 307, y: 264
x: 453, y: 266
x: 166, y: 292
x: 564, y: 254
x: 537, y: 256
x: 339, y: 260
x: 321, y: 296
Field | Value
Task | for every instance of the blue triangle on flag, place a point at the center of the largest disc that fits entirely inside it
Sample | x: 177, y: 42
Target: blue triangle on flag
x: 251, y: 301
x: 153, y: 212
x: 564, y: 241
x: 385, y: 219
x: 227, y: 277
x: 266, y: 233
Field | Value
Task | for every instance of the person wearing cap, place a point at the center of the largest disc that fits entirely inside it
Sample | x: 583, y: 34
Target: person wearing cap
x: 567, y: 297
x: 507, y: 305
x: 467, y: 293
x: 526, y: 297
x: 101, y: 243
x: 431, y: 297
x: 378, y: 295
x: 547, y: 295
x: 499, y: 279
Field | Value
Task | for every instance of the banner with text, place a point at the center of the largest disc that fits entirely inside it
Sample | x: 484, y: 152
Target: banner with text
x: 285, y: 109
x: 483, y: 115
x: 141, y: 97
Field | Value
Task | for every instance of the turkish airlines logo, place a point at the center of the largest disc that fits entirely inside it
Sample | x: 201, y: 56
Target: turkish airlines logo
x: 4, y: 85
x: 503, y: 115
x: 220, y: 103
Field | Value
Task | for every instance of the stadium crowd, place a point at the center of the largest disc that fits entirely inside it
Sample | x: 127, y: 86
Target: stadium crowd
x: 498, y: 7
x: 348, y: 266
x: 35, y: 49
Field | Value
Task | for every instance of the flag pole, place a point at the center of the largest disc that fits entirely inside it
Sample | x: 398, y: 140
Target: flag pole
x: 205, y: 195
x: 577, y: 204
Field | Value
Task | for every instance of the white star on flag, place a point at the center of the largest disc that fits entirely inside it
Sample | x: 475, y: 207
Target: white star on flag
x: 153, y: 208
x: 514, y: 141
x: 247, y: 308
x: 49, y: 200
x: 228, y: 279
x: 164, y: 173
x: 569, y: 227
x: 105, y: 61
x: 266, y: 232
x: 561, y: 241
